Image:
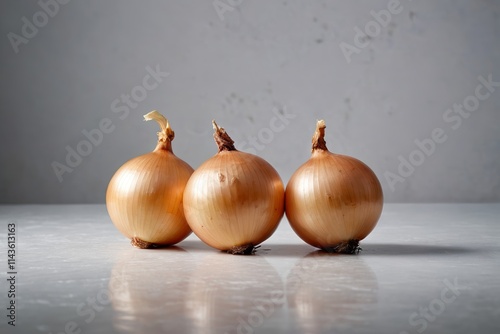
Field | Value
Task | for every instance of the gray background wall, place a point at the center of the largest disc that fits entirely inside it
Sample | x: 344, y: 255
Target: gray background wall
x: 257, y: 60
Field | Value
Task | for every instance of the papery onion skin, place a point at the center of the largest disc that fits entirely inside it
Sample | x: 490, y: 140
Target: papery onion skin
x: 144, y: 196
x: 333, y: 201
x: 234, y: 200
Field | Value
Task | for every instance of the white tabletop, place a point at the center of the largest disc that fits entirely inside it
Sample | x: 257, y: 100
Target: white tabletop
x: 431, y: 268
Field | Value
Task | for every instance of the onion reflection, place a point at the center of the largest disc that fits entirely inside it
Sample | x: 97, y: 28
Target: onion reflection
x: 326, y: 291
x: 234, y: 294
x: 148, y: 291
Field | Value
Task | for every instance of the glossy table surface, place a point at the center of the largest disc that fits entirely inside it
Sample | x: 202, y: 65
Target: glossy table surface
x: 426, y: 268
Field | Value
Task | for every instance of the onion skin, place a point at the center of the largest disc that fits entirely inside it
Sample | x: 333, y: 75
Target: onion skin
x: 144, y: 197
x: 234, y: 200
x: 333, y: 201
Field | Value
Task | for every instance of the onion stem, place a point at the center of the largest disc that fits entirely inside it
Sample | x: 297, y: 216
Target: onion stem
x: 166, y: 135
x: 224, y: 142
x: 318, y: 140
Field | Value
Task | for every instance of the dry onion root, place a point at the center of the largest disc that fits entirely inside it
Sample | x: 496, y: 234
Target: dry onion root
x: 333, y: 201
x: 144, y: 196
x: 234, y: 200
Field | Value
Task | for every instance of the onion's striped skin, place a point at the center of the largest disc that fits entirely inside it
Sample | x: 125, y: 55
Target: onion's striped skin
x: 333, y: 201
x: 144, y: 198
x: 234, y: 199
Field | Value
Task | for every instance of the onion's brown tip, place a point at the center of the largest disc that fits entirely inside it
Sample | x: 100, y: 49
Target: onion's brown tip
x: 222, y: 139
x: 345, y: 247
x: 318, y: 139
x: 138, y: 243
x: 243, y: 250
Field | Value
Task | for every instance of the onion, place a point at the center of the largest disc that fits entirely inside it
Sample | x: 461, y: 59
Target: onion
x: 333, y: 201
x: 144, y: 197
x: 234, y: 200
